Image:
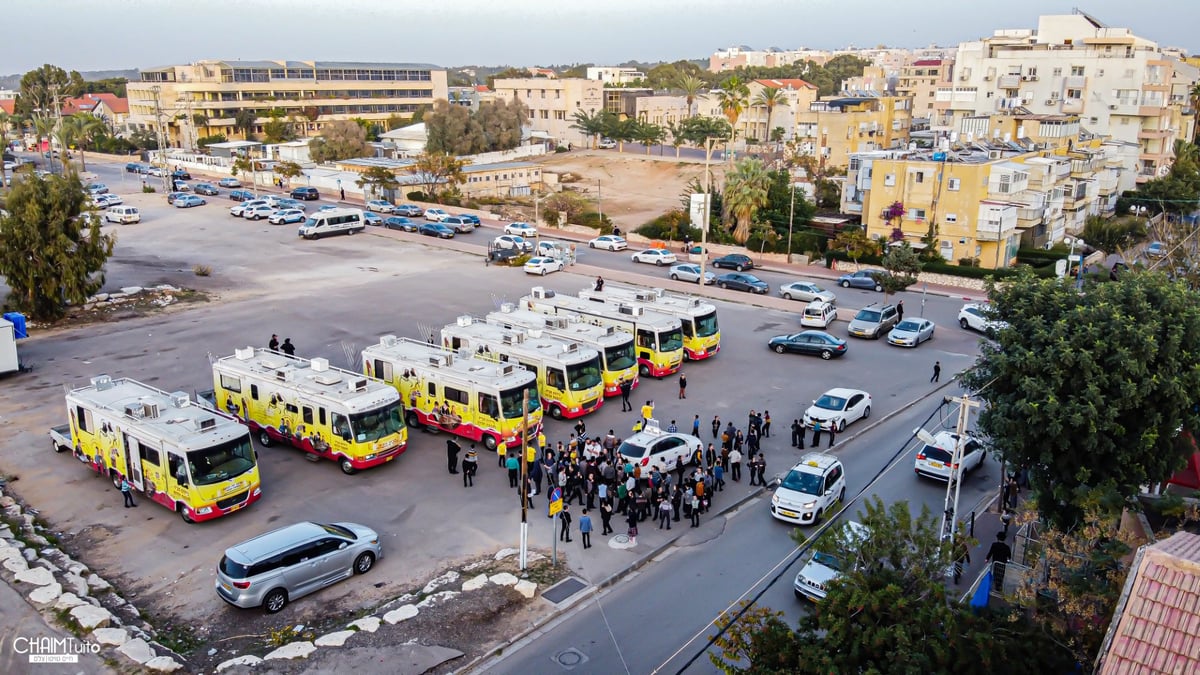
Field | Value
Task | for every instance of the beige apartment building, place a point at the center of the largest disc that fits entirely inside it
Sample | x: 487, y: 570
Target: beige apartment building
x: 1119, y: 84
x: 833, y: 128
x: 920, y: 81
x: 553, y: 103
x: 310, y: 94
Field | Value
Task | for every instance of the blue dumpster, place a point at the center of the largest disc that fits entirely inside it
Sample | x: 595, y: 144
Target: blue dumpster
x: 18, y: 322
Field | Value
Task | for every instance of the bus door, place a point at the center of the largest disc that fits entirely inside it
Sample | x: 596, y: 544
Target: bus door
x: 488, y: 412
x: 556, y: 386
x: 133, y: 461
x: 177, y: 477
x: 646, y: 344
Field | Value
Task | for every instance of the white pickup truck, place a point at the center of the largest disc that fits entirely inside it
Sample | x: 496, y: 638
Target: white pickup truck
x: 60, y: 436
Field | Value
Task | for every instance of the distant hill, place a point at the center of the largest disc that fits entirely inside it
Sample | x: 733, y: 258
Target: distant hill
x: 14, y: 81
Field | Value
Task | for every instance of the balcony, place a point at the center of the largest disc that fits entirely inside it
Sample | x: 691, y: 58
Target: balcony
x: 1124, y: 107
x: 1085, y: 168
x: 1009, y: 82
x: 994, y: 230
x: 1075, y: 81
x: 1106, y: 183
x: 1154, y: 133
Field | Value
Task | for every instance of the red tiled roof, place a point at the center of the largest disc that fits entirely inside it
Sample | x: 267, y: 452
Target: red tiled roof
x: 481, y: 88
x: 1155, y: 631
x: 87, y: 103
x: 786, y: 84
x: 8, y: 105
x: 928, y: 62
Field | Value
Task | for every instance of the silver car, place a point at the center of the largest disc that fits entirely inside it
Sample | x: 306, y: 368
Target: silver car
x: 806, y: 291
x: 282, y: 565
x: 691, y: 272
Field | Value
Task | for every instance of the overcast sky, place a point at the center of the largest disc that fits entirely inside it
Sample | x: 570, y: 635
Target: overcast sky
x: 109, y: 34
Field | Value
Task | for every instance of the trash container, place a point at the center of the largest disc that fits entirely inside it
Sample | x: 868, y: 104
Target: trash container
x: 18, y: 322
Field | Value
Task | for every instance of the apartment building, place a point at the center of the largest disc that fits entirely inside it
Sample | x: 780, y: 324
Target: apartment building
x: 615, y: 75
x: 202, y: 98
x: 833, y: 128
x: 920, y: 81
x: 798, y: 95
x: 553, y: 103
x: 110, y: 108
x: 987, y: 198
x: 874, y: 80
x: 742, y: 56
x: 1118, y: 83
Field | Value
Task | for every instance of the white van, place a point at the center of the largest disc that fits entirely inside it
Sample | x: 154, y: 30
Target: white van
x: 818, y: 314
x: 333, y: 221
x: 123, y: 214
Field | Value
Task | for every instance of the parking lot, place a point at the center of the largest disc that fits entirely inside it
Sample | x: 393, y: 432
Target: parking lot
x: 333, y: 297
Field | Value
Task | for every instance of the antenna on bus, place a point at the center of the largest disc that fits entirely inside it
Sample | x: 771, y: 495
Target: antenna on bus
x: 353, y: 355
x: 211, y: 358
x: 426, y: 333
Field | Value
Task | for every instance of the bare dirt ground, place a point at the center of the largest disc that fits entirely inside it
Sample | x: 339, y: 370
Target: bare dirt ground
x: 633, y: 188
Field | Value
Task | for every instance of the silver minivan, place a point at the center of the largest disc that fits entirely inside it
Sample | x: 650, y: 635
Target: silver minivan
x: 282, y: 565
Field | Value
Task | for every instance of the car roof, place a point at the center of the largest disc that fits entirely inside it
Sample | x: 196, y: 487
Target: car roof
x: 815, y: 462
x: 818, y: 304
x: 269, y: 543
x: 843, y: 392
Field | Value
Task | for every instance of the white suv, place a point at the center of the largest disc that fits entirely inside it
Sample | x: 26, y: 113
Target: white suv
x: 809, y: 489
x: 812, y: 581
x: 974, y: 315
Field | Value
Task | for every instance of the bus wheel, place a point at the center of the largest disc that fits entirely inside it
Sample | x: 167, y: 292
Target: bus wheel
x: 556, y: 412
x: 644, y: 370
x: 412, y: 420
x: 347, y: 467
x: 489, y: 442
x: 264, y: 438
x: 186, y: 514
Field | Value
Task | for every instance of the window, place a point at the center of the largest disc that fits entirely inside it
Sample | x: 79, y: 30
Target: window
x: 919, y: 176
x: 457, y: 396
x: 916, y: 214
x: 83, y: 419
x: 432, y: 389
x: 1076, y: 71
x: 1057, y: 72
x: 307, y: 415
x: 321, y: 416
x: 149, y: 455
x: 231, y: 383
x: 1075, y: 94
x: 889, y: 179
x: 560, y: 114
x: 488, y: 405
x: 555, y: 378
x: 341, y: 426
x: 383, y: 370
x: 254, y: 391
x: 953, y: 184
x: 176, y: 468
x: 951, y: 218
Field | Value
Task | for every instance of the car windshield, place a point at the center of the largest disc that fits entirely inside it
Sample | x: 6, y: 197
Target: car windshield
x: 338, y: 531
x: 584, y: 375
x: 828, y: 402
x: 827, y: 560
x: 619, y: 357
x: 632, y: 450
x: 510, y: 401
x: 706, y: 325
x: 869, y: 315
x: 910, y: 326
x: 310, y: 222
x: 221, y: 462
x: 376, y: 424
x: 797, y: 481
x: 670, y: 340
x: 750, y: 279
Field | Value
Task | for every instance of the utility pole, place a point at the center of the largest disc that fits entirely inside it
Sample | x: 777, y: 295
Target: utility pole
x: 524, y: 493
x: 950, y: 516
x: 708, y: 151
x: 599, y: 211
x: 158, y: 129
x: 791, y: 219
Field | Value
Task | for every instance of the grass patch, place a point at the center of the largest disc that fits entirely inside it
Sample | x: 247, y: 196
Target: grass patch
x: 64, y: 619
x: 179, y: 638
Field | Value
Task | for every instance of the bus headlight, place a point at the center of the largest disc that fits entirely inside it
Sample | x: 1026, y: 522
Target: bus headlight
x: 203, y: 510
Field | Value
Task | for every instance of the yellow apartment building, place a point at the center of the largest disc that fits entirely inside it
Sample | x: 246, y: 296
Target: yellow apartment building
x: 202, y: 98
x: 833, y: 128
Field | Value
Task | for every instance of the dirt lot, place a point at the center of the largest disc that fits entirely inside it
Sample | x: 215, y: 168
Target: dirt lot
x: 633, y: 188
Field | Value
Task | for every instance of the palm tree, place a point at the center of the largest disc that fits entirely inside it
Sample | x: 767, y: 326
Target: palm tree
x: 81, y: 129
x: 746, y: 190
x: 649, y: 134
x: 590, y: 125
x: 768, y: 98
x: 677, y: 136
x: 690, y: 85
x: 732, y: 99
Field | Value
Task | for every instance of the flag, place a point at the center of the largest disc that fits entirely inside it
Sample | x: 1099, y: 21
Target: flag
x: 984, y: 591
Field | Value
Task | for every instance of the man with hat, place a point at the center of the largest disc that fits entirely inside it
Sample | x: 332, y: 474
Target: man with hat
x: 470, y: 464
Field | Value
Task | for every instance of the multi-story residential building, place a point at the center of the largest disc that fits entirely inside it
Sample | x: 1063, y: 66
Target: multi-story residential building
x: 832, y: 128
x: 1115, y: 81
x: 468, y: 97
x: 985, y: 198
x: 553, y: 103
x: 111, y: 108
x: 798, y: 96
x: 661, y: 110
x: 742, y: 56
x: 615, y: 75
x: 920, y: 81
x: 873, y: 81
x: 310, y: 94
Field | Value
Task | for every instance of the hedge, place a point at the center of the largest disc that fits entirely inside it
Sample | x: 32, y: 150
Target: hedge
x: 1044, y: 271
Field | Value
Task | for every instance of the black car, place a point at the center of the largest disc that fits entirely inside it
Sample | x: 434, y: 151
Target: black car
x: 734, y: 261
x: 436, y: 230
x: 133, y: 167
x: 399, y: 223
x: 815, y: 342
x: 205, y: 189
x: 241, y: 195
x: 307, y: 194
x: 181, y: 174
x: 743, y: 282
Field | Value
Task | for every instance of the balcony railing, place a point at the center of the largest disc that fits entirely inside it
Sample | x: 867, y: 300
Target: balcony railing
x: 991, y: 230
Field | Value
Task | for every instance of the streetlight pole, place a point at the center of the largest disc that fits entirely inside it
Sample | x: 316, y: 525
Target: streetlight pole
x: 599, y: 211
x: 791, y: 218
x: 708, y: 151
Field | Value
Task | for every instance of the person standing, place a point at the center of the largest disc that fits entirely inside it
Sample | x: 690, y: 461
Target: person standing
x: 127, y: 493
x: 647, y: 412
x: 287, y: 347
x: 273, y: 345
x: 470, y: 465
x: 606, y: 518
x: 632, y: 521
x: 695, y: 504
x: 514, y: 469
x: 900, y: 311
x: 664, y: 514
x: 452, y: 450
x: 585, y: 529
x: 797, y: 434
x: 671, y: 428
x: 998, y: 555
x: 962, y: 555
x: 937, y: 371
x: 342, y: 190
x: 816, y: 442
x: 682, y: 385
x: 716, y: 426
x: 719, y: 478
x: 766, y: 424
x: 626, y: 387
x: 832, y: 429
x: 535, y: 473
x: 599, y: 284
x: 696, y: 427
x: 735, y: 466
x: 564, y: 518
x: 676, y: 502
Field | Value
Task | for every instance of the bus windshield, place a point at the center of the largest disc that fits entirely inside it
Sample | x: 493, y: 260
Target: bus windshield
x: 670, y: 340
x: 584, y: 375
x: 706, y: 325
x: 376, y: 424
x: 620, y: 357
x: 221, y: 462
x: 510, y: 400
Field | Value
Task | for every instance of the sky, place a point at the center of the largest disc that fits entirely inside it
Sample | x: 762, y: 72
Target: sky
x: 89, y: 35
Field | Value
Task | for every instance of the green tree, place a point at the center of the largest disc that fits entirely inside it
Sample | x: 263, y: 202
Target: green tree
x: 1088, y: 390
x: 5, y: 124
x: 500, y: 123
x: 903, y: 265
x: 277, y: 129
x: 244, y: 121
x: 343, y: 139
x: 854, y: 242
x: 690, y: 86
x: 200, y: 121
x: 696, y: 130
x: 732, y: 98
x: 675, y: 130
x: 41, y: 90
x: 769, y: 98
x: 568, y: 205
x: 648, y: 134
x: 1113, y: 235
x: 53, y: 252
x: 450, y: 129
x: 437, y: 170
x: 287, y: 171
x: 745, y: 193
x: 506, y: 73
x: 785, y: 205
x: 378, y: 181
x: 593, y: 125
x: 82, y: 130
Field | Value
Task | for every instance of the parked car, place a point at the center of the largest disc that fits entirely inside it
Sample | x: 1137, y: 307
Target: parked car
x: 812, y: 581
x: 435, y: 215
x: 815, y: 342
x: 181, y: 174
x: 873, y: 320
x: 976, y: 316
x: 289, y: 203
x: 606, y: 144
x: 188, y: 201
x: 181, y: 186
x: 286, y: 216
x: 1156, y: 249
x: 739, y: 281
x: 543, y: 265
x: 399, y: 223
x: 806, y: 291
x: 307, y: 194
x: 691, y: 272
x: 409, y: 210
x: 370, y: 218
x: 458, y: 224
x: 271, y: 200
x: 868, y: 279
x: 654, y: 256
x: 818, y: 314
x: 609, y: 242
x: 155, y: 171
x: 257, y: 212
x: 936, y: 460
x: 283, y: 565
x: 106, y: 200
x: 97, y: 188
x: 206, y: 189
x: 241, y: 195
x: 380, y: 206
x: 435, y: 230
x: 809, y: 489
x: 512, y: 241
x: 470, y: 218
x: 239, y: 209
x: 230, y: 183
x: 734, y: 261
x: 838, y: 407
x: 133, y: 167
x: 911, y: 332
x: 523, y: 229
x: 172, y: 196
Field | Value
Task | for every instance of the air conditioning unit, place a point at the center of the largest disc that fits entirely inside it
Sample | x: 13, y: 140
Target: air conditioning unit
x: 987, y: 78
x: 1025, y: 78
x: 1051, y: 101
x: 1112, y: 106
x: 962, y: 78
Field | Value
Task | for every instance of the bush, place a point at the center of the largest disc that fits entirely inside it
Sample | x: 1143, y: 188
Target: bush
x: 968, y: 262
x: 672, y: 226
x: 148, y: 188
x: 417, y: 196
x: 113, y: 145
x: 1045, y: 271
x: 596, y: 221
x: 201, y: 270
x: 209, y: 140
x: 560, y: 149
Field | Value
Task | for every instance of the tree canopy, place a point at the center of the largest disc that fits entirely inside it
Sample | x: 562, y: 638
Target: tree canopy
x: 437, y: 170
x: 343, y: 139
x: 903, y: 264
x: 53, y: 247
x: 378, y: 181
x: 1089, y: 390
x: 746, y: 191
x: 457, y: 130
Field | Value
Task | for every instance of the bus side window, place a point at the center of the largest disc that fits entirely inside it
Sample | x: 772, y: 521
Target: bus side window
x: 308, y: 415
x: 291, y: 408
x: 254, y: 391
x: 150, y: 456
x: 687, y: 329
x: 555, y: 378
x: 321, y: 416
x: 231, y: 383
x: 488, y: 405
x: 83, y: 417
x: 178, y: 472
x: 432, y: 389
x: 341, y: 426
x: 645, y: 339
x: 383, y: 370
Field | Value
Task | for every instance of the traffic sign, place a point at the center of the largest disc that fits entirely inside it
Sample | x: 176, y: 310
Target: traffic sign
x: 556, y: 503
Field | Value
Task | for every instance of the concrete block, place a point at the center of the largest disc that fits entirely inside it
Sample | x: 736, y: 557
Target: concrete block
x: 111, y: 636
x: 38, y: 576
x: 402, y: 614
x: 89, y: 617
x: 244, y: 660
x: 68, y: 601
x: 526, y: 588
x: 475, y: 583
x: 368, y: 624
x: 336, y: 639
x: 292, y: 650
x: 45, y: 595
x: 504, y: 579
x: 163, y: 664
x: 137, y: 649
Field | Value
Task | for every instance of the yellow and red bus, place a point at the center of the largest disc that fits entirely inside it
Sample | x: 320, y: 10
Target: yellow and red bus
x: 701, y: 333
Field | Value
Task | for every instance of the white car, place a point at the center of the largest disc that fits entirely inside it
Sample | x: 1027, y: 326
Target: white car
x: 973, y: 315
x: 655, y: 256
x: 818, y: 314
x: 380, y: 206
x: 653, y: 447
x: 607, y: 144
x: 285, y: 216
x: 522, y: 229
x: 911, y: 332
x: 240, y: 208
x: 272, y: 200
x: 434, y: 215
x: 691, y: 272
x: 258, y: 212
x: 610, y: 242
x: 809, y: 489
x: 937, y: 459
x: 813, y: 579
x: 543, y: 265
x: 106, y: 200
x: 97, y: 188
x: 553, y: 249
x: 838, y: 407
x: 512, y: 241
x: 806, y: 291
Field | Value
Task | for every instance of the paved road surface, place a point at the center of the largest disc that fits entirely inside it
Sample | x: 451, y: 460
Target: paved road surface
x: 19, y: 622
